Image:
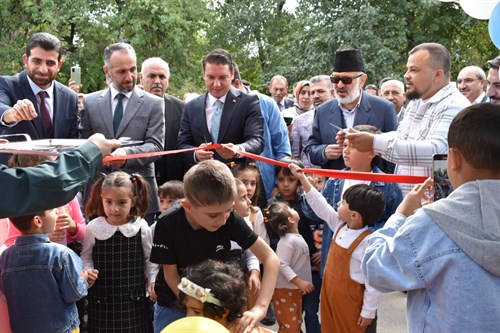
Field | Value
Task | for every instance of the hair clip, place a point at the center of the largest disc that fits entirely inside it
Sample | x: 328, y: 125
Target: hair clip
x: 231, y: 164
x: 252, y: 164
x: 201, y: 294
x: 266, y: 220
x: 133, y: 178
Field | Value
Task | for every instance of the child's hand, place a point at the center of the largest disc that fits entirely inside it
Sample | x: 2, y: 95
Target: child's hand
x: 152, y: 293
x: 304, y: 286
x: 364, y: 322
x: 254, y: 281
x: 57, y: 236
x: 316, y: 259
x: 91, y: 276
x: 64, y: 221
x: 413, y: 200
x: 250, y: 319
x: 297, y: 172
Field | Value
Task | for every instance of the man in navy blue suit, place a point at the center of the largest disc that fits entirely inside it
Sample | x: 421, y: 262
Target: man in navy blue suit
x: 32, y: 101
x: 350, y: 107
x: 222, y: 114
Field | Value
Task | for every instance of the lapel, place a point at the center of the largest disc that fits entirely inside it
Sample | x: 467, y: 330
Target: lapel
x: 28, y: 93
x: 335, y: 117
x: 200, y: 104
x: 232, y: 101
x: 363, y: 113
x: 133, y: 105
x: 104, y: 106
x: 59, y: 101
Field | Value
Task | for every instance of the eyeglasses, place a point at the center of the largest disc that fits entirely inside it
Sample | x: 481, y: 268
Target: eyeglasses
x: 344, y: 79
x: 466, y: 80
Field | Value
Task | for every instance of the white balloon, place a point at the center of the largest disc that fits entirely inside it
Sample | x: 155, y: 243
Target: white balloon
x: 478, y: 9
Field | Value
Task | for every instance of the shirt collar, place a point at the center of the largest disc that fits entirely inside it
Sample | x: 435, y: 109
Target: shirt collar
x: 355, y: 108
x: 212, y: 99
x: 32, y: 239
x: 115, y: 92
x: 36, y: 89
x: 480, y: 98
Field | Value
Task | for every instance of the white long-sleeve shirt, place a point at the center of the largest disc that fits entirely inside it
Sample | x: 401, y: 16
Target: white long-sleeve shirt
x: 345, y: 237
x: 422, y: 133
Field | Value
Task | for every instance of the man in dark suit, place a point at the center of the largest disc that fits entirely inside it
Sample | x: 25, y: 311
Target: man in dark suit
x: 155, y: 77
x: 125, y: 111
x: 223, y: 114
x: 278, y: 87
x: 32, y: 101
x: 352, y: 106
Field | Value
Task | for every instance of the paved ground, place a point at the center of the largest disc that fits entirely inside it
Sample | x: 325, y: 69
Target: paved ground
x: 391, y: 314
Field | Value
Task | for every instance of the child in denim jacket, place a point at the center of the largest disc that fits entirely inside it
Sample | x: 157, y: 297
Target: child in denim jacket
x: 40, y: 280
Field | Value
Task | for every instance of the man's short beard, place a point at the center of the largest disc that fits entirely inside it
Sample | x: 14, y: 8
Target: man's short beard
x: 412, y: 95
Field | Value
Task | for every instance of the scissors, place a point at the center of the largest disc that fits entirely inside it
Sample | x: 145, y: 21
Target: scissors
x: 345, y: 130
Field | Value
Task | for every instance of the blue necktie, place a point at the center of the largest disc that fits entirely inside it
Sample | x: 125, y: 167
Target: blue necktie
x: 117, y: 118
x: 215, y: 125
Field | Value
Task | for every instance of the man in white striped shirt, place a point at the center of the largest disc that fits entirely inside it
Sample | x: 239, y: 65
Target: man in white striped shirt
x: 423, y: 132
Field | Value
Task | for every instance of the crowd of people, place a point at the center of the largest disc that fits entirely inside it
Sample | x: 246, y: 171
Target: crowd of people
x: 137, y: 243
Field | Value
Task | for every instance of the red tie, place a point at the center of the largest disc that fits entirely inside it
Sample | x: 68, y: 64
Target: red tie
x: 46, y: 121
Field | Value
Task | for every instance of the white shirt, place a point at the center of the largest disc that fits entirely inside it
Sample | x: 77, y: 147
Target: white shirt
x: 49, y: 99
x: 114, y: 101
x: 345, y: 237
x: 422, y: 133
x: 210, y: 107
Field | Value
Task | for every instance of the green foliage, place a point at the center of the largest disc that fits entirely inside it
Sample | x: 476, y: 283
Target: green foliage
x: 264, y: 37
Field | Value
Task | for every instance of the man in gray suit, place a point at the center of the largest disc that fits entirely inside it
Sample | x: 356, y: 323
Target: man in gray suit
x: 155, y: 77
x: 123, y: 111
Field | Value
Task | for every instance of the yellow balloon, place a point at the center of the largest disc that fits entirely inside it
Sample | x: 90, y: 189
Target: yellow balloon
x: 195, y: 325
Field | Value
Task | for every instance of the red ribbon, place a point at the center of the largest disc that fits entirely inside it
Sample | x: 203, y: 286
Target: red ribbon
x: 369, y: 176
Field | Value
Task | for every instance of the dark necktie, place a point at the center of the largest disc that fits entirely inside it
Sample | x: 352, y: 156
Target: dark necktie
x: 44, y: 112
x: 215, y: 125
x: 117, y: 118
x: 280, y: 107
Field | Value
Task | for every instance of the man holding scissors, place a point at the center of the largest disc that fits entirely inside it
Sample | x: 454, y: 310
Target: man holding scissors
x: 351, y: 106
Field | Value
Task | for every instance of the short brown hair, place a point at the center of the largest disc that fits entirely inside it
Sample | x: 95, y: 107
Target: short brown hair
x: 24, y: 222
x: 367, y: 201
x: 209, y: 182
x: 173, y: 189
x: 134, y: 182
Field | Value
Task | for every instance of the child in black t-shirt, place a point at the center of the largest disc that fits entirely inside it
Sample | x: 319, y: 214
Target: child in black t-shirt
x: 201, y: 227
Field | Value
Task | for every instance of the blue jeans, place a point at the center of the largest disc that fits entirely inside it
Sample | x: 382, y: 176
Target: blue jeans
x: 164, y: 316
x: 310, y: 306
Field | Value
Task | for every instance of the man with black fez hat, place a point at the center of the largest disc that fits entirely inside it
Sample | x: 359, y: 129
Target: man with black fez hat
x: 351, y: 106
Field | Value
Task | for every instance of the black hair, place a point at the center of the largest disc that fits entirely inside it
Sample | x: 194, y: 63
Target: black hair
x: 227, y: 283
x: 46, y: 41
x: 367, y: 201
x: 219, y: 57
x: 475, y: 133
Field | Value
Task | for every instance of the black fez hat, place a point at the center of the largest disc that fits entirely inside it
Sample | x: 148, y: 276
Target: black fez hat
x: 349, y: 61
